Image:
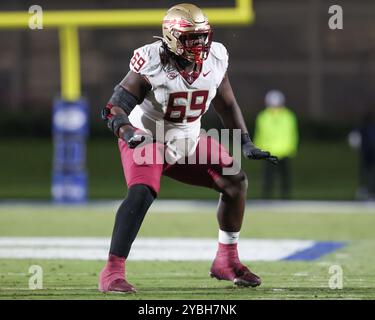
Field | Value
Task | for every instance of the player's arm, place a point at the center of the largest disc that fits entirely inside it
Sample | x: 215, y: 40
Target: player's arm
x: 127, y: 94
x: 227, y: 108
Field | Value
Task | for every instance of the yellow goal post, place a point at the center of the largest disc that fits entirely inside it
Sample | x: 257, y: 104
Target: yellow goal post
x: 68, y: 22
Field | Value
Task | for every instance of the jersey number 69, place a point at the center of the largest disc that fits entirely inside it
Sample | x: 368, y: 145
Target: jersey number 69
x: 193, y: 101
x: 137, y: 62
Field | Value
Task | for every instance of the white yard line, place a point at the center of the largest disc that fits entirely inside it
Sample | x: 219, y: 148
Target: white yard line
x: 276, y: 206
x: 177, y: 249
x: 203, y: 206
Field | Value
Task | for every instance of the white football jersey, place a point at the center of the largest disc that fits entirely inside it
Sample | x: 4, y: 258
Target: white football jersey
x: 173, y: 105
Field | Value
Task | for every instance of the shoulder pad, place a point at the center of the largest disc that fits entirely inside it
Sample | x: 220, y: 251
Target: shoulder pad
x: 219, y: 51
x: 146, y: 59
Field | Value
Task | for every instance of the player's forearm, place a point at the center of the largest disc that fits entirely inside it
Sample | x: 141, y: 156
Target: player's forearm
x: 123, y: 130
x: 235, y: 119
x: 227, y: 107
x: 115, y: 113
x: 117, y: 121
x: 232, y: 118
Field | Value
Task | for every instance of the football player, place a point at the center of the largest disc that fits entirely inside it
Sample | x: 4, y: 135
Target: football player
x: 174, y: 80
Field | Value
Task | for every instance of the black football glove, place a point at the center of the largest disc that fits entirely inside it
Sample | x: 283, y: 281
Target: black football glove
x: 133, y: 139
x: 250, y: 151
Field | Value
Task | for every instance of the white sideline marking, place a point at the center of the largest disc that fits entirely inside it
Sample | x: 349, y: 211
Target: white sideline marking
x: 145, y: 248
x: 206, y: 206
x: 273, y: 206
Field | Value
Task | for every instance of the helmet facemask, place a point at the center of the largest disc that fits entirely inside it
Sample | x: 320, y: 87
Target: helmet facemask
x: 194, y: 46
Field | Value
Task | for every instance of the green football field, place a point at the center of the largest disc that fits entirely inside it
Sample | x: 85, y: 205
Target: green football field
x: 77, y: 279
x: 323, y: 170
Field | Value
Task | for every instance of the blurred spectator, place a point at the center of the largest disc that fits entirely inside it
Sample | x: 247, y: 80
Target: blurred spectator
x: 363, y: 139
x: 276, y: 130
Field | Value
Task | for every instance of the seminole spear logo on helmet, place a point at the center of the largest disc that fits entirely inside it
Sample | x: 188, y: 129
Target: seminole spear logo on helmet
x: 187, y: 33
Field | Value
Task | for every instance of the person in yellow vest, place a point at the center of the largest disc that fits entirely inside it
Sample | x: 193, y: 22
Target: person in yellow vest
x: 276, y: 130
